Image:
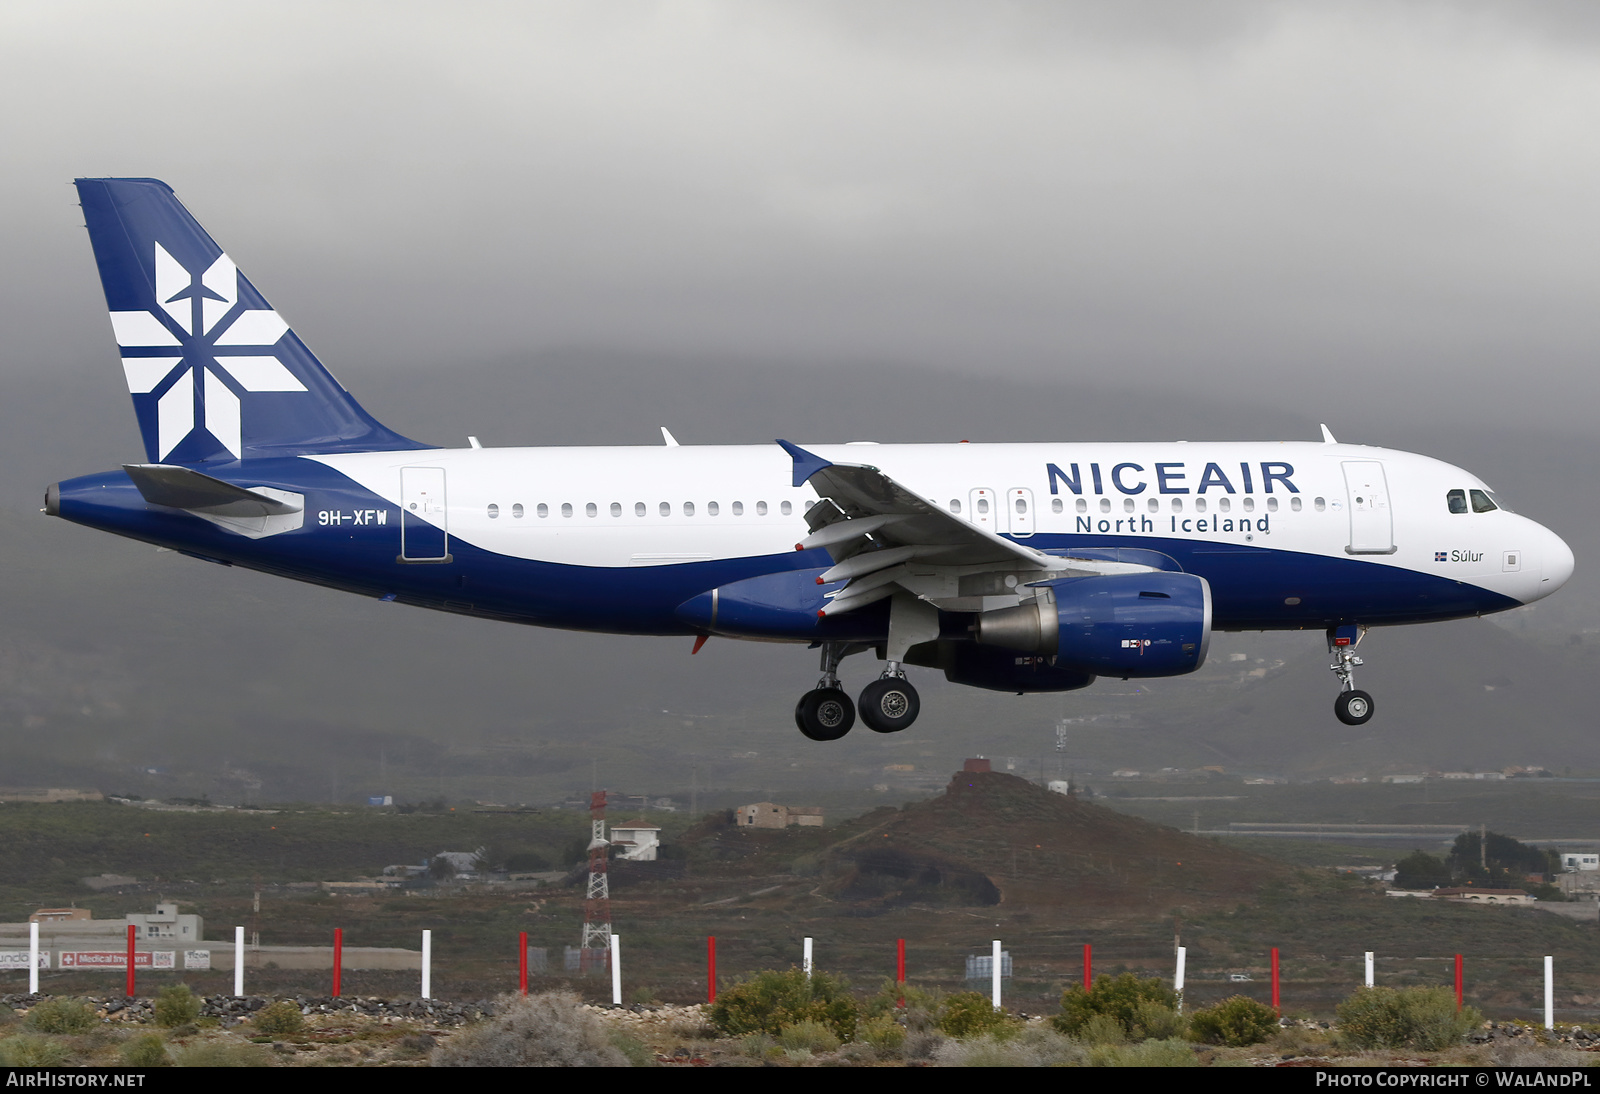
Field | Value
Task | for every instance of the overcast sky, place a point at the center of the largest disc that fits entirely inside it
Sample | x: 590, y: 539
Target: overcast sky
x: 1360, y: 212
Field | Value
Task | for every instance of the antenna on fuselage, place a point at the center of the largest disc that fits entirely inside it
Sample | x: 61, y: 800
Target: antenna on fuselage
x: 671, y: 441
x: 1327, y: 436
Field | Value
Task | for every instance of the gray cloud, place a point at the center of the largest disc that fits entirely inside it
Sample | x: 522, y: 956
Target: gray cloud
x: 1361, y: 211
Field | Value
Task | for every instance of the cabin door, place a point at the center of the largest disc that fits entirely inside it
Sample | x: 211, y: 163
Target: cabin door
x: 424, y: 520
x: 1371, y: 517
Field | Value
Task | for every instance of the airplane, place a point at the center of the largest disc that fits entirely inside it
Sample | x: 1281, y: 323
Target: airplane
x: 1011, y: 567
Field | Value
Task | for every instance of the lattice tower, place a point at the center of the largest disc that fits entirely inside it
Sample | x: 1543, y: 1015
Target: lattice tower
x: 597, y: 904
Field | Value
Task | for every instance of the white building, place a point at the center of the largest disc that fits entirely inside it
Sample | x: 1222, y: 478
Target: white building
x: 635, y: 841
x: 1579, y: 860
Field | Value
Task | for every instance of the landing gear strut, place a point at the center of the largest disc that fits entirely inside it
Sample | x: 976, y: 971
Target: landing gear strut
x: 1352, y: 707
x: 826, y: 713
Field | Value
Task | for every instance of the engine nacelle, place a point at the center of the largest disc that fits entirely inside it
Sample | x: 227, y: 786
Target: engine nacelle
x: 1006, y: 670
x: 1144, y: 625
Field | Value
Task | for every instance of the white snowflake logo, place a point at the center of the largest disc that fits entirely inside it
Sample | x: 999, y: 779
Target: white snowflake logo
x: 192, y: 318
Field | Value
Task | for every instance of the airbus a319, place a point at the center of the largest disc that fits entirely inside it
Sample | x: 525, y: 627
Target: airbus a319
x: 1013, y: 567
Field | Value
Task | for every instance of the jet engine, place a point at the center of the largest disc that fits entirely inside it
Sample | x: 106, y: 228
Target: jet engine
x: 1128, y: 625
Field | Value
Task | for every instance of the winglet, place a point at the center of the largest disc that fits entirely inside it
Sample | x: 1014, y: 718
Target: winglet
x: 806, y: 463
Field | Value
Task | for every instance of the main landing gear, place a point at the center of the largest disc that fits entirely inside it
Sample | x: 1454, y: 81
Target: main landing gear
x: 1352, y: 707
x: 888, y: 704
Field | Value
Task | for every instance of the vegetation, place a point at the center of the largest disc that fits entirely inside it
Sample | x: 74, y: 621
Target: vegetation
x: 61, y: 1015
x: 972, y: 1014
x: 808, y: 1036
x: 33, y: 1050
x: 146, y: 1050
x: 1420, y: 870
x: 176, y: 1006
x: 1236, y: 1022
x: 771, y: 1000
x: 1128, y: 1007
x: 550, y: 1030
x: 1418, y: 1018
x: 280, y: 1018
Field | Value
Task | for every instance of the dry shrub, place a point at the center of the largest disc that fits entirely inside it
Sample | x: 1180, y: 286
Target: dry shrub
x: 1033, y: 1047
x: 33, y: 1050
x: 62, y: 1016
x: 1168, y: 1053
x: 1419, y: 1018
x: 550, y: 1030
x: 221, y: 1054
x: 1236, y: 1022
x: 145, y: 1050
x: 278, y: 1019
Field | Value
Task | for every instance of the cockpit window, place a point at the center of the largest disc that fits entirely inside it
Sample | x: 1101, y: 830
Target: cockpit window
x: 1500, y: 505
x: 1457, y: 500
x: 1482, y: 502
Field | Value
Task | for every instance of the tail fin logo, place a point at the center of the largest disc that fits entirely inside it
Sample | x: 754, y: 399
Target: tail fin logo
x: 196, y: 348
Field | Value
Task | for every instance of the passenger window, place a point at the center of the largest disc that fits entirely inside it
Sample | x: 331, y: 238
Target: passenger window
x: 1272, y: 505
x: 566, y: 508
x: 1177, y: 505
x: 543, y: 510
x: 711, y: 509
x: 616, y: 508
x: 1457, y: 500
x: 1482, y: 503
x: 785, y: 508
x: 955, y: 506
x: 688, y: 508
x: 761, y: 508
x: 738, y: 508
x: 1223, y: 505
x: 1083, y: 505
x: 1127, y: 505
x: 666, y: 508
x: 516, y: 510
x: 1199, y: 505
x: 1249, y: 505
x: 1320, y: 504
x: 1154, y: 505
x: 591, y: 509
x: 494, y: 511
x: 1022, y: 506
x: 1056, y: 506
x: 983, y: 506
x: 1105, y: 505
x: 638, y: 509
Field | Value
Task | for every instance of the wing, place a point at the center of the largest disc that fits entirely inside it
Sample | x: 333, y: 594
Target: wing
x: 882, y: 536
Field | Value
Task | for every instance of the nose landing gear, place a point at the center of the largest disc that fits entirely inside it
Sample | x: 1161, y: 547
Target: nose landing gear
x: 1353, y: 707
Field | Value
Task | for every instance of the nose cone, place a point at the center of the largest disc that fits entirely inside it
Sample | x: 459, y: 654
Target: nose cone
x: 1555, y: 562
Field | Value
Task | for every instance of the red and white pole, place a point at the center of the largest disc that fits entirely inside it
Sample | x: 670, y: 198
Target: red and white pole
x: 338, y: 958
x: 1460, y: 982
x: 1088, y: 967
x: 131, y: 933
x: 1275, y: 1001
x: 522, y: 962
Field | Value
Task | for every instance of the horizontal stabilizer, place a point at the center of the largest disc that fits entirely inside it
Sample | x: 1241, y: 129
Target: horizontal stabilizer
x: 184, y: 488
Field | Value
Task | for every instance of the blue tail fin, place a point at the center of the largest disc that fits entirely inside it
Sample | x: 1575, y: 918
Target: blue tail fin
x: 214, y: 372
